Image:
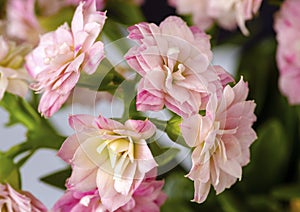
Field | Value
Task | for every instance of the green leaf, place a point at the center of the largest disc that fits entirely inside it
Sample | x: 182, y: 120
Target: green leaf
x: 20, y: 111
x: 260, y: 71
x: 124, y: 12
x: 180, y: 191
x: 9, y: 172
x: 162, y: 155
x: 104, y: 79
x: 287, y: 192
x: 269, y: 158
x: 50, y: 23
x: 57, y: 179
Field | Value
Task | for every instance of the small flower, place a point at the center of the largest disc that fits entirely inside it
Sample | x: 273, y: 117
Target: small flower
x: 221, y: 139
x: 61, y: 55
x: 13, y: 201
x: 13, y: 78
x: 173, y: 60
x: 22, y: 23
x: 227, y: 13
x: 108, y: 155
x: 287, y: 27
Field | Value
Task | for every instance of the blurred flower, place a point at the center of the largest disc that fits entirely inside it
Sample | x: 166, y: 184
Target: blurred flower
x: 174, y: 61
x: 287, y: 26
x: 13, y: 201
x: 22, y: 23
x: 147, y: 197
x: 61, y: 55
x: 13, y: 78
x: 99, y: 3
x: 227, y: 13
x: 221, y: 139
x: 108, y: 155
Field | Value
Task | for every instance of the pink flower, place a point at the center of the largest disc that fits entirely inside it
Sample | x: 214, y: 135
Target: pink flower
x: 173, y: 60
x: 221, y: 140
x: 108, y: 155
x: 287, y: 27
x: 61, y: 55
x: 76, y: 201
x: 22, y: 24
x: 227, y: 13
x: 147, y: 197
x: 11, y: 200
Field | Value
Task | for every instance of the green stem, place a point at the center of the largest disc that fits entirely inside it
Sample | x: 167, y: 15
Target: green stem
x: 18, y: 149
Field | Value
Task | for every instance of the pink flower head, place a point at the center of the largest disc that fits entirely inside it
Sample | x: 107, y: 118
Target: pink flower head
x: 11, y: 200
x: 173, y: 60
x: 287, y: 27
x: 108, y: 155
x: 221, y: 139
x: 61, y: 55
x: 227, y: 13
x: 22, y: 24
x: 147, y: 197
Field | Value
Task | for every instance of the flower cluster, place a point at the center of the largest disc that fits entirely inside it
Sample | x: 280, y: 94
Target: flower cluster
x: 113, y: 166
x: 174, y: 61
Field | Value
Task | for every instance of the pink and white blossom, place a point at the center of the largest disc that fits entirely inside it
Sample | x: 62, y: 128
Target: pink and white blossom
x: 22, y: 23
x: 287, y: 27
x: 147, y: 197
x: 61, y: 55
x: 109, y: 156
x: 14, y: 201
x: 227, y: 13
x: 174, y: 62
x: 221, y: 140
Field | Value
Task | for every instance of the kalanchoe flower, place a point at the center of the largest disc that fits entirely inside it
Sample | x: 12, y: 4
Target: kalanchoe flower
x: 13, y: 78
x: 147, y: 197
x: 13, y: 201
x: 22, y: 23
x: 174, y: 61
x: 61, y: 55
x: 108, y: 155
x: 287, y: 27
x: 221, y: 140
x: 227, y: 13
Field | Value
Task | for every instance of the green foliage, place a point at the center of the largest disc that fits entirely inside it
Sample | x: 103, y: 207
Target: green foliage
x: 9, y: 172
x: 57, y: 179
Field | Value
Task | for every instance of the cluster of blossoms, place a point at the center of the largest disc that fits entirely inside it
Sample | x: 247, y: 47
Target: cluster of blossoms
x: 227, y: 13
x: 174, y: 62
x: 113, y: 169
x: 287, y: 27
